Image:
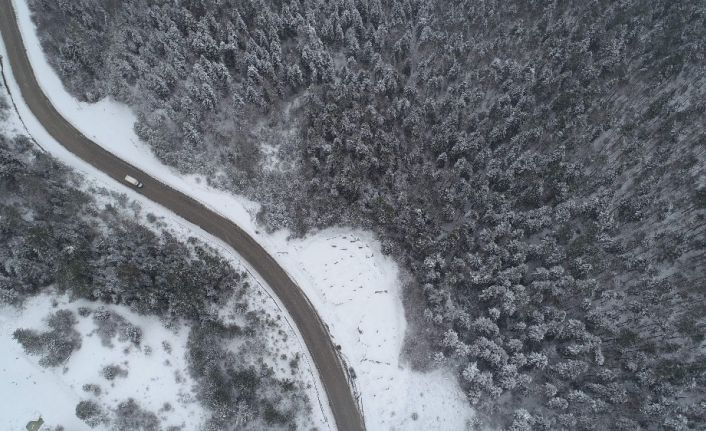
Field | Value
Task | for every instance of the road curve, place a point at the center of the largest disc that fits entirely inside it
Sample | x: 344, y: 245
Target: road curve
x: 318, y: 341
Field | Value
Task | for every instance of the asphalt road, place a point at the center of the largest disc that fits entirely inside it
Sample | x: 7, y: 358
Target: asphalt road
x: 318, y: 341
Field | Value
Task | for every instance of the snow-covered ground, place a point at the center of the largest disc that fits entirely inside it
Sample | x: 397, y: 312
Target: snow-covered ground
x: 155, y: 375
x: 353, y: 286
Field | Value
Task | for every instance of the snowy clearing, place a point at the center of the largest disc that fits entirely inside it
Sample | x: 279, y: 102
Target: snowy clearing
x: 353, y: 286
x: 154, y: 377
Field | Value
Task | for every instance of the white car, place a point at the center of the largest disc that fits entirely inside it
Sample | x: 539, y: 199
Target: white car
x: 133, y: 181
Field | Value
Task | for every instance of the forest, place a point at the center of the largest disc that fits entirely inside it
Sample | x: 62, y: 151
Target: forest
x: 58, y: 235
x: 539, y: 168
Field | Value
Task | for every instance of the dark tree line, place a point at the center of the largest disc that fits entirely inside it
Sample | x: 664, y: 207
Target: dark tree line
x: 537, y: 165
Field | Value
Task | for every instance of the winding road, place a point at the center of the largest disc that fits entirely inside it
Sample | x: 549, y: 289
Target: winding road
x: 315, y: 334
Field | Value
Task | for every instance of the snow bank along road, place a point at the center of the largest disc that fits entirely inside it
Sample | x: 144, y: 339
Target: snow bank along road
x: 330, y: 367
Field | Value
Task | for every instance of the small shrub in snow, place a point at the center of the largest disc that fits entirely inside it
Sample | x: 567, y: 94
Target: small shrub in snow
x: 112, y: 371
x: 90, y: 412
x: 129, y: 416
x: 92, y: 388
x: 109, y: 324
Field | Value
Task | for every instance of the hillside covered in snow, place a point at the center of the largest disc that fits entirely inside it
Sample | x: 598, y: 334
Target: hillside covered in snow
x: 536, y: 169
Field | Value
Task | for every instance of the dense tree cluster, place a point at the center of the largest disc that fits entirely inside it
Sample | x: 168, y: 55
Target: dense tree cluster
x: 55, y: 345
x: 538, y: 166
x: 56, y: 236
x: 237, y: 393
